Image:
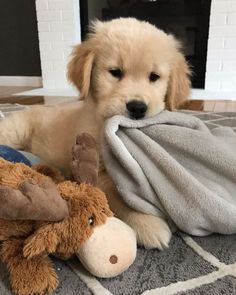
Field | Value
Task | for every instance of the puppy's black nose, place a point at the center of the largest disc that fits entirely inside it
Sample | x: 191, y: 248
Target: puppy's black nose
x: 137, y: 109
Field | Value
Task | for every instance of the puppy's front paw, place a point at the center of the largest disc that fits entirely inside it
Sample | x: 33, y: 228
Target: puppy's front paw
x: 152, y: 231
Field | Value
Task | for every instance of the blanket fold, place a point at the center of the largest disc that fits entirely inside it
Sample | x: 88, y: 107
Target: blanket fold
x: 172, y: 165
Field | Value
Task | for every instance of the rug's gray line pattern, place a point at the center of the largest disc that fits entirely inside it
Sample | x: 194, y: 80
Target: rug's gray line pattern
x: 222, y: 270
x: 181, y: 286
x: 92, y: 283
x: 203, y: 253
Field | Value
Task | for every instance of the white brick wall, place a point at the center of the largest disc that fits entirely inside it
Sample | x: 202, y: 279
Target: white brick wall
x: 221, y: 55
x: 59, y: 30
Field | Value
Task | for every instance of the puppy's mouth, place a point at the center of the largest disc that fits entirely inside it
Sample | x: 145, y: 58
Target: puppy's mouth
x: 135, y: 117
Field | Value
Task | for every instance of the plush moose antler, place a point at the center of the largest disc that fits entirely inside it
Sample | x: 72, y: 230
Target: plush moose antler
x: 27, y: 195
x: 84, y: 164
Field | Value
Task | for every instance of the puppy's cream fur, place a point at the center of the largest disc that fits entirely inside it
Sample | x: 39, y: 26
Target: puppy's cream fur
x: 137, y: 48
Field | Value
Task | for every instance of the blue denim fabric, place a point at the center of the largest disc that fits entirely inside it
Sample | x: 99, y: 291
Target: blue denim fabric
x: 32, y: 158
x: 13, y: 155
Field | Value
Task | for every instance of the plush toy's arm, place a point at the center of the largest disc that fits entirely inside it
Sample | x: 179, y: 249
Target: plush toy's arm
x: 43, y: 241
x: 28, y: 276
x: 32, y: 201
x: 84, y: 164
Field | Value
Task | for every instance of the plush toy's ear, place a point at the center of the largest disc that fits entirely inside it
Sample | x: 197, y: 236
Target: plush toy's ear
x: 49, y: 171
x: 179, y: 84
x: 84, y: 164
x: 42, y: 241
x: 80, y: 67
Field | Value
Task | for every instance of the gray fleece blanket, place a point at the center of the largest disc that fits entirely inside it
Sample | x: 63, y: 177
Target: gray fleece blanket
x: 172, y: 165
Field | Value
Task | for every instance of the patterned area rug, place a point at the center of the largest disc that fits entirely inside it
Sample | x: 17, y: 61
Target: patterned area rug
x: 191, y: 265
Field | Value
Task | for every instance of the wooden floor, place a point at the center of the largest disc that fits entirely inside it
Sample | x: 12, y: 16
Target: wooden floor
x: 212, y: 105
x: 7, y: 96
x: 10, y: 90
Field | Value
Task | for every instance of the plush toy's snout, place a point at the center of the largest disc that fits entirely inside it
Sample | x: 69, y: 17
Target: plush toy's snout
x: 115, y: 245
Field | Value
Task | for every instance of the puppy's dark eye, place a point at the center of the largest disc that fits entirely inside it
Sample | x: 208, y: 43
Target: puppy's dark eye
x: 116, y: 72
x: 91, y: 220
x: 153, y: 77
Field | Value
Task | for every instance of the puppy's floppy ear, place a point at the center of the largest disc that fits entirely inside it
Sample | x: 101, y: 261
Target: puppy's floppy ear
x: 80, y: 67
x: 179, y: 83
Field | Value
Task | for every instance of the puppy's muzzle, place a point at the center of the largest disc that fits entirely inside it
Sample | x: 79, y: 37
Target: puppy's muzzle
x: 137, y: 109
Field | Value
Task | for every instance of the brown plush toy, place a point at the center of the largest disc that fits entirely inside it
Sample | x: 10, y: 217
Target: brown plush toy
x: 82, y: 225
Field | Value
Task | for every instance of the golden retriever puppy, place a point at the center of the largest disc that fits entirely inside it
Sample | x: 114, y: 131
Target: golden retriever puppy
x: 125, y: 67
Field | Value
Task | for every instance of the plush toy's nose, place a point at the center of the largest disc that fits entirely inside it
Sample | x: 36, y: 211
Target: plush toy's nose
x: 110, y: 250
x: 113, y: 259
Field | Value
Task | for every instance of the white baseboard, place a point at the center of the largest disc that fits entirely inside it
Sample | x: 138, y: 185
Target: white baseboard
x: 195, y: 93
x: 20, y: 81
x: 205, y: 94
x: 51, y: 92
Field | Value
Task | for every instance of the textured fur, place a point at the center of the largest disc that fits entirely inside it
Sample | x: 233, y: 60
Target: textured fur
x: 26, y: 243
x: 138, y: 48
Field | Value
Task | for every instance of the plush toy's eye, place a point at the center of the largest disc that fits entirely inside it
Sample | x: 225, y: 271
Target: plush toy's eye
x: 91, y: 220
x: 153, y: 77
x: 117, y: 73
